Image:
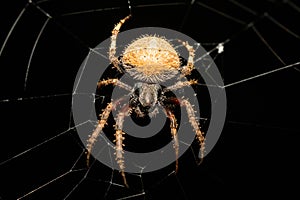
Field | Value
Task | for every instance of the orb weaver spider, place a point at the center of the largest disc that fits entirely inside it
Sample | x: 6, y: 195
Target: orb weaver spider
x: 150, y: 60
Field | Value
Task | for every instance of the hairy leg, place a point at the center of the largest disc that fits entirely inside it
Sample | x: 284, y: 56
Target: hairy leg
x: 196, y: 126
x: 119, y: 140
x: 114, y: 81
x: 180, y: 84
x: 101, y: 123
x: 186, y: 70
x: 173, y: 126
x: 112, y: 49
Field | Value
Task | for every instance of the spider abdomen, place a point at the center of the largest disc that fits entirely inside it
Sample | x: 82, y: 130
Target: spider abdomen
x: 151, y: 59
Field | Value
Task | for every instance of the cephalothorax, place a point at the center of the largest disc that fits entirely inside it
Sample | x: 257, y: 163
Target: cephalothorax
x: 150, y: 60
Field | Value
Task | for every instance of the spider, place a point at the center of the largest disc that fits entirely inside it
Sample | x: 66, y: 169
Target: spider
x: 150, y: 60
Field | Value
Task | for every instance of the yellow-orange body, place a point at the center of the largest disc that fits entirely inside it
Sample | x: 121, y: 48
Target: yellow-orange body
x: 151, y: 59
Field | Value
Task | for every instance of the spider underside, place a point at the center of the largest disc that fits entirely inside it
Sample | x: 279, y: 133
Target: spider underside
x: 150, y: 60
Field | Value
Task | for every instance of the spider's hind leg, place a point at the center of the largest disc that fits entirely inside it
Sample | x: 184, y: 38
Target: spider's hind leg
x: 173, y: 127
x: 196, y: 126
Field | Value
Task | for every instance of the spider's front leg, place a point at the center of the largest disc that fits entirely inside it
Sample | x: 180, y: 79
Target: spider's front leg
x: 126, y: 111
x: 112, y: 49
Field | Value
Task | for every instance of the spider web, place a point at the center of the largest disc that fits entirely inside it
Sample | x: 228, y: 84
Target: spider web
x: 255, y: 45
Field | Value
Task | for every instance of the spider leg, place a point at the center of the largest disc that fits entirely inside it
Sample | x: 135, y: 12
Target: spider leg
x: 112, y: 49
x: 186, y: 70
x: 173, y: 126
x: 196, y: 126
x: 101, y: 123
x: 119, y: 140
x: 115, y: 81
x: 180, y: 84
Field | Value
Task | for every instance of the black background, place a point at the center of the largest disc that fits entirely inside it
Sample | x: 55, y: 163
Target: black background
x: 258, y: 148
